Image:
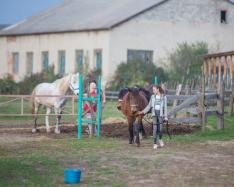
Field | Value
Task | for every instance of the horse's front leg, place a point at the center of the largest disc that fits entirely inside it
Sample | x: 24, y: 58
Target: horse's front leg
x: 48, y: 110
x: 58, y: 113
x: 130, y: 129
x: 141, y: 128
x: 136, y: 132
x: 35, y: 112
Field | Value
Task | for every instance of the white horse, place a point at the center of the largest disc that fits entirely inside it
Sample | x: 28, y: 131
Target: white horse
x: 58, y: 87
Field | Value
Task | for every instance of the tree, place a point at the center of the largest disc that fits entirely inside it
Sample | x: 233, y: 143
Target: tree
x: 186, y: 61
x: 135, y: 73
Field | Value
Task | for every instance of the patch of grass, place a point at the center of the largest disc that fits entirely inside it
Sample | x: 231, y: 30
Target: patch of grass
x: 211, y: 133
x: 28, y: 171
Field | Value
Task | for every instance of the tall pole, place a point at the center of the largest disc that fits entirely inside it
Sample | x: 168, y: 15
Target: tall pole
x: 79, y: 121
x: 99, y: 107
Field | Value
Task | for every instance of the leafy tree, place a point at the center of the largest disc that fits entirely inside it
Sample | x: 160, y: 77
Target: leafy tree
x: 135, y: 73
x: 186, y: 61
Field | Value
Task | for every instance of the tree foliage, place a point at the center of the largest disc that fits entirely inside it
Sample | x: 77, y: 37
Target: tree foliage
x: 186, y: 61
x: 135, y: 73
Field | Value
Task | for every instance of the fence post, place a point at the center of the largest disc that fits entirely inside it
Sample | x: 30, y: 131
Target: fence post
x: 220, y: 106
x: 202, y: 104
x: 230, y: 111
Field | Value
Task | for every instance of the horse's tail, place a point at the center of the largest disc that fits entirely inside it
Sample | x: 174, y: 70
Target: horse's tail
x: 32, y: 101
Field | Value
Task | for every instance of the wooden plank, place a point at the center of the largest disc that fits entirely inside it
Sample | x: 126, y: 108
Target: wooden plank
x: 214, y: 73
x: 202, y: 104
x: 220, y: 68
x: 185, y: 120
x: 214, y: 55
x: 225, y: 70
x: 178, y: 90
x: 184, y: 104
x: 209, y: 96
x: 178, y: 97
x: 220, y: 106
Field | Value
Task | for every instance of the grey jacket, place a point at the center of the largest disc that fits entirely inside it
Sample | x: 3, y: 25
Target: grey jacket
x: 163, y: 106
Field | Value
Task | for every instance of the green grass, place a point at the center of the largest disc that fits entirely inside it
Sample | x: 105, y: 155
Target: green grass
x: 211, y: 132
x: 109, y: 110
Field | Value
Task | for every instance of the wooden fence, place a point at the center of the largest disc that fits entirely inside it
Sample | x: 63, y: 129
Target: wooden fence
x: 198, y: 104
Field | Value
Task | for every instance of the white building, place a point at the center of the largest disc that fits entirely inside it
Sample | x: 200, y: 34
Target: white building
x: 104, y: 33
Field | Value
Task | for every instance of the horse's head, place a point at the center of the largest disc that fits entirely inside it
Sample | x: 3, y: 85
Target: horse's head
x: 133, y: 96
x: 122, y: 93
x: 74, y: 83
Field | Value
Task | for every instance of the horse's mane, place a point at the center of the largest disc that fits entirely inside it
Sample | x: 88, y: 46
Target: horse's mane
x: 146, y: 93
x: 123, y: 92
x: 61, y: 83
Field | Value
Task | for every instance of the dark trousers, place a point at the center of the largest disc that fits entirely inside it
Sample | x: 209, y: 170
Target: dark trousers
x: 157, y: 126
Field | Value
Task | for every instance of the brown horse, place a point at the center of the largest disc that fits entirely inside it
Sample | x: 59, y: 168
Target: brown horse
x: 132, y: 100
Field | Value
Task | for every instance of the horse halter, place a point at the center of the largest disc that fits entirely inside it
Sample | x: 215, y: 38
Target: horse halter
x: 73, y: 87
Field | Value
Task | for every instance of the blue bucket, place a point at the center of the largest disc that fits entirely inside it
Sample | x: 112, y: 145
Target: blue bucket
x: 72, y: 176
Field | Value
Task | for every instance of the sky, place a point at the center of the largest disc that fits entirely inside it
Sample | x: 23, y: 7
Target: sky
x: 12, y: 11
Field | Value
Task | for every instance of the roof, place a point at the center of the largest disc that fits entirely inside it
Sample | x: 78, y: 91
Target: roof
x: 81, y: 15
x: 2, y: 26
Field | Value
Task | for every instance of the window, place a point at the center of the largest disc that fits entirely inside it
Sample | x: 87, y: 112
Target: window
x: 140, y: 55
x: 29, y: 63
x: 98, y: 58
x: 223, y: 16
x: 61, y: 62
x: 79, y: 61
x: 15, y: 62
x: 45, y: 60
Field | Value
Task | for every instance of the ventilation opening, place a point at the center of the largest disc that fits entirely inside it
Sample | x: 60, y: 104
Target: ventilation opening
x: 223, y: 16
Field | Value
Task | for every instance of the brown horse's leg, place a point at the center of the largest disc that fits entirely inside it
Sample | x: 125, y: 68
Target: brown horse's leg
x: 141, y: 127
x: 130, y: 129
x: 136, y: 132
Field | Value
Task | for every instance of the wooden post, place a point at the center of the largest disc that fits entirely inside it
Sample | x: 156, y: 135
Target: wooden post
x: 214, y: 72
x: 202, y: 104
x: 230, y: 110
x: 178, y: 90
x: 220, y: 73
x: 220, y: 106
x: 187, y: 92
x: 225, y: 71
x: 209, y: 71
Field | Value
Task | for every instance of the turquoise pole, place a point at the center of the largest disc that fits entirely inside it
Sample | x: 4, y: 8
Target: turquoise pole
x: 99, y: 107
x: 79, y: 121
x: 156, y: 80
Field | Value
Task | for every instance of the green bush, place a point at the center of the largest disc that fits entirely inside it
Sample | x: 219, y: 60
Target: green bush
x: 135, y: 73
x: 28, y: 84
x: 8, y: 86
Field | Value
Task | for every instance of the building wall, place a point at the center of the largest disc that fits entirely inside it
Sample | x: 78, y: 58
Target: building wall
x: 87, y: 41
x: 173, y: 22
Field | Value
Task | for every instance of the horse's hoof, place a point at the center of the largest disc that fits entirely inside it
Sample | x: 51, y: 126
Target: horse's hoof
x: 57, y: 131
x: 34, y: 130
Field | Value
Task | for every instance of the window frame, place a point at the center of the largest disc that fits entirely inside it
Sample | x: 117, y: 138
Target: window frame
x: 15, y: 65
x: 61, y: 53
x: 29, y: 65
